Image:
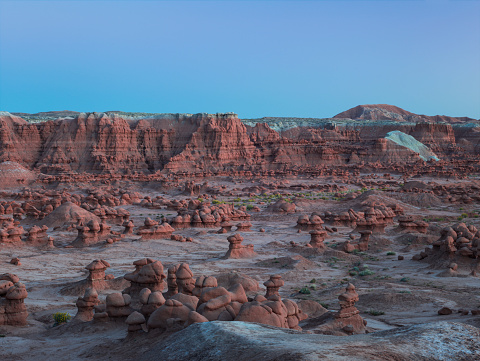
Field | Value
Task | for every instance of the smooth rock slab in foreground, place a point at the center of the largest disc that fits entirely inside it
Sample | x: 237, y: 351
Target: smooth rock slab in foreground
x: 250, y: 341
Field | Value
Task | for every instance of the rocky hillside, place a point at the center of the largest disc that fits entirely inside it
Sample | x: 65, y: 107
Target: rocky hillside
x: 222, y: 144
x: 391, y: 112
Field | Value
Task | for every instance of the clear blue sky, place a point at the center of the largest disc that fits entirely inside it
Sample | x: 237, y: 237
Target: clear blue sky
x: 256, y: 58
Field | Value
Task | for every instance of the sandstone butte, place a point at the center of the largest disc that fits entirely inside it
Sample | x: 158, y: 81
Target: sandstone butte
x: 221, y: 144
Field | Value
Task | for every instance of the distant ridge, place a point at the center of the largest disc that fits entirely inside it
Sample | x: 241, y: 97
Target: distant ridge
x: 392, y: 112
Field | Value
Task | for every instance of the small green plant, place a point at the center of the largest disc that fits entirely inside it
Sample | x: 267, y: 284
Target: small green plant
x: 366, y: 272
x: 376, y: 313
x: 305, y: 291
x: 216, y: 201
x: 391, y: 253
x: 313, y: 280
x: 61, y: 317
x: 324, y: 305
x: 249, y: 207
x: 405, y: 291
x: 405, y: 279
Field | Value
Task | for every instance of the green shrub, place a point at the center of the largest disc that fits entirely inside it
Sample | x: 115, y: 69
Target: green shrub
x: 391, y: 253
x: 376, y: 313
x: 366, y: 272
x: 249, y: 207
x: 305, y: 291
x: 61, y: 317
x: 324, y: 305
x: 313, y: 280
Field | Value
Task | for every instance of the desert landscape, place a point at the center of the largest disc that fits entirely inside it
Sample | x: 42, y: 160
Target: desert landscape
x: 144, y: 236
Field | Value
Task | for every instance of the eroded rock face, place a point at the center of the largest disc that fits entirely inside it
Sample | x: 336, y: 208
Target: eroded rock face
x: 152, y: 230
x: 149, y: 276
x: 237, y: 250
x: 361, y: 245
x: 410, y: 224
x: 458, y: 245
x: 108, y: 143
x: 118, y: 305
x: 347, y: 320
x: 91, y: 233
x: 189, y: 301
x: 202, y: 214
x: 312, y: 222
x: 13, y: 311
x: 97, y: 270
x: 86, y: 305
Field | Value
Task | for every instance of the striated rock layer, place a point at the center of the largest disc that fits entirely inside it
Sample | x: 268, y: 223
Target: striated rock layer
x: 222, y: 143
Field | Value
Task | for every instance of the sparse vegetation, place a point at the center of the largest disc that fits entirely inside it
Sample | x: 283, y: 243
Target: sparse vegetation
x: 366, y: 272
x: 304, y: 291
x: 376, y: 312
x: 61, y: 317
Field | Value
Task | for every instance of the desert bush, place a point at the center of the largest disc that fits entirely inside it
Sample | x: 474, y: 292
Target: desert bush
x: 61, y: 317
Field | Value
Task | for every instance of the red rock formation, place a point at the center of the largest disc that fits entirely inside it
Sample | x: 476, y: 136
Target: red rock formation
x: 153, y: 230
x: 362, y: 244
x: 86, y: 305
x: 317, y: 237
x: 149, y: 276
x: 90, y: 234
x: 306, y: 223
x: 237, y: 250
x: 118, y: 305
x: 459, y: 244
x: 410, y: 224
x: 206, y: 144
x: 97, y: 269
x: 150, y: 301
x: 13, y: 311
x: 38, y: 236
x: 135, y: 321
x: 202, y: 214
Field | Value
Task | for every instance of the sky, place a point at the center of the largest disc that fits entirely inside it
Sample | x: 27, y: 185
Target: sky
x: 254, y: 58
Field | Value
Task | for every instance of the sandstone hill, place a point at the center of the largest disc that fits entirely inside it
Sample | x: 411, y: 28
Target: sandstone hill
x: 391, y: 112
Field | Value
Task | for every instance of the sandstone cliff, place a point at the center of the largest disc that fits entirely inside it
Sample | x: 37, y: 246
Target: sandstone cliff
x: 104, y: 143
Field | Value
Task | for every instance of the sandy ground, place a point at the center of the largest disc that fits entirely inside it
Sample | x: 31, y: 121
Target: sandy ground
x: 406, y: 292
